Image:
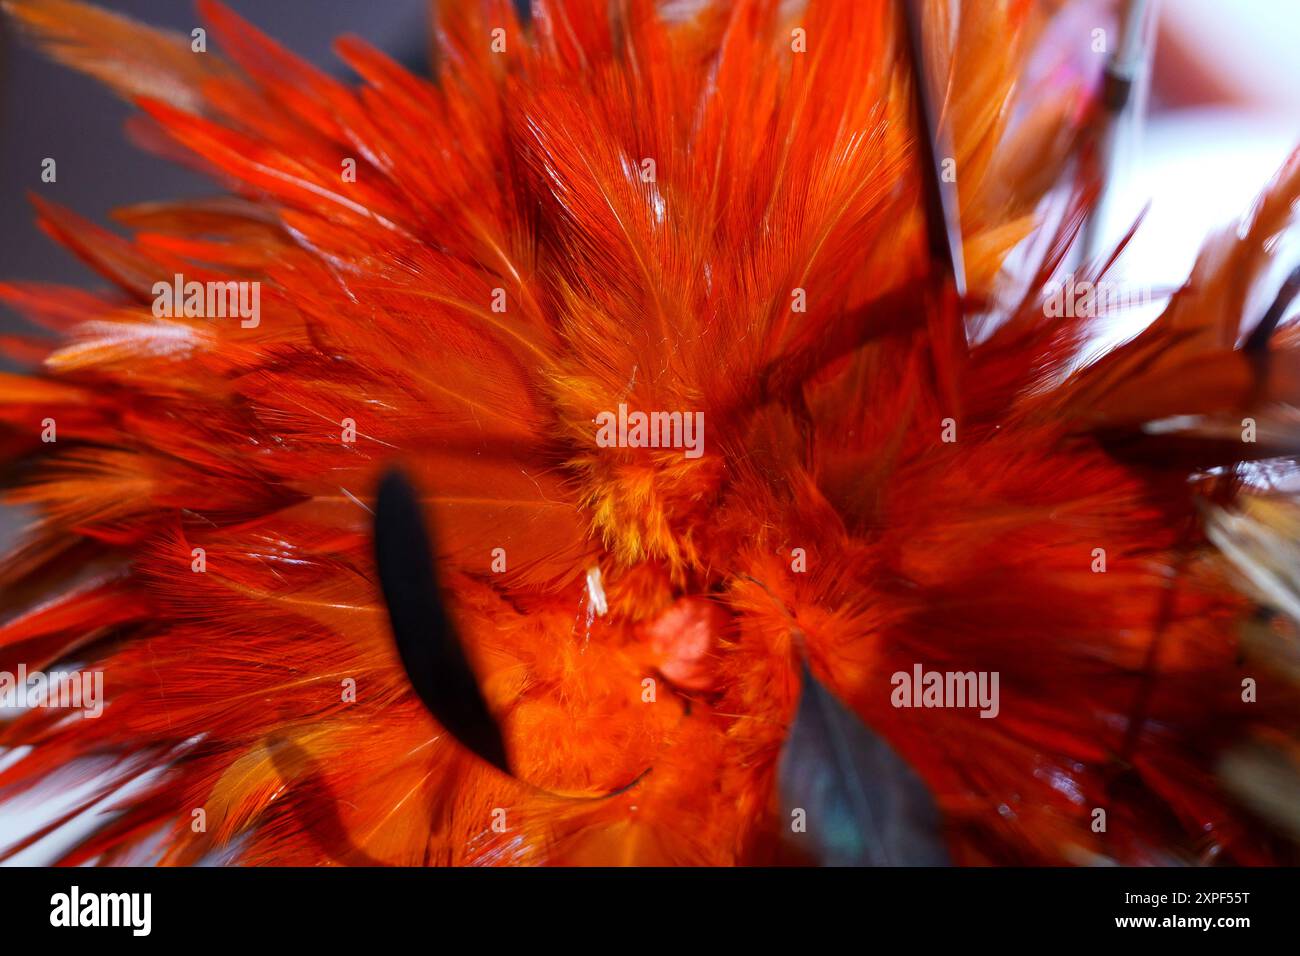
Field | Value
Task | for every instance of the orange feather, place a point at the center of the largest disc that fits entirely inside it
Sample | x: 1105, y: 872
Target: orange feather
x: 520, y: 178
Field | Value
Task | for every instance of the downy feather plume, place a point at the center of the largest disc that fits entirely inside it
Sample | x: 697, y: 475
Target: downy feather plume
x: 636, y: 656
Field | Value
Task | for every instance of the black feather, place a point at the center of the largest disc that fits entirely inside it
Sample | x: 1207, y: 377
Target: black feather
x: 942, y: 211
x: 864, y: 805
x: 426, y: 641
x: 1258, y: 339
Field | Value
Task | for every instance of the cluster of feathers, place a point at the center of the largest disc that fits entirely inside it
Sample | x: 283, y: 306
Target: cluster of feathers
x: 775, y: 170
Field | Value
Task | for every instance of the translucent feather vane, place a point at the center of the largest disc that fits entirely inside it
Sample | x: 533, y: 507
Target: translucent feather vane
x: 593, y: 454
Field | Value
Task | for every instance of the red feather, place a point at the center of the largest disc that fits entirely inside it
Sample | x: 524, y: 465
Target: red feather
x: 621, y: 207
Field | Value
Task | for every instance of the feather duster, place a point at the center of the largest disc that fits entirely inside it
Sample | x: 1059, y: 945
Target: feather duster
x: 389, y: 570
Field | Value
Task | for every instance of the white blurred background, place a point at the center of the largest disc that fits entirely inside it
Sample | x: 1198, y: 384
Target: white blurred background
x: 1222, y: 117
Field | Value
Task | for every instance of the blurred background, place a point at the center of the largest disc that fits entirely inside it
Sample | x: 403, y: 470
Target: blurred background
x: 49, y: 110
x: 1222, y: 114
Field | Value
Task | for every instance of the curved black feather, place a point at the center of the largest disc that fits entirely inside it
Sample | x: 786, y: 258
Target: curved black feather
x: 426, y: 641
x: 1258, y: 339
x: 942, y: 211
x: 864, y: 805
